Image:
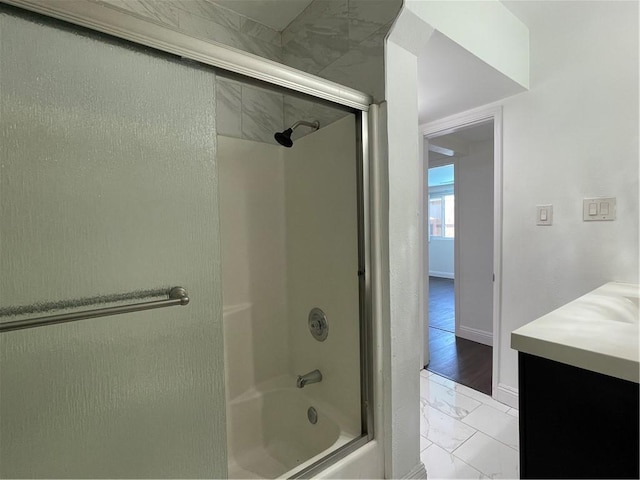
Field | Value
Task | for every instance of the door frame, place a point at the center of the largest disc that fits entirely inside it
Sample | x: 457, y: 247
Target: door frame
x: 442, y: 127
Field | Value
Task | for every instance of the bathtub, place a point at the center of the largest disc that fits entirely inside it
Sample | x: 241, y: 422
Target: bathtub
x: 270, y: 436
x: 268, y: 432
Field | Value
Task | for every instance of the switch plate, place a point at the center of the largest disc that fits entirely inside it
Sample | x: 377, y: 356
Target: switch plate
x: 599, y: 209
x: 544, y: 215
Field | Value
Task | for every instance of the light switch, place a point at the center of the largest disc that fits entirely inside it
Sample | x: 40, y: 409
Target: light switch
x: 544, y: 214
x: 598, y: 209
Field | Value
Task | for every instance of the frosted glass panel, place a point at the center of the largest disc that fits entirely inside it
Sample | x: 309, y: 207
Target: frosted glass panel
x: 108, y: 186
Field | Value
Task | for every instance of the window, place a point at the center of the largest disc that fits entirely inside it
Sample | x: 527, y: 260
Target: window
x: 441, y: 202
x: 441, y: 215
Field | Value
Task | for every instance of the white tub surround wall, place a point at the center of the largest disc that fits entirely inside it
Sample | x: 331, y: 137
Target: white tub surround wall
x: 474, y: 229
x: 288, y: 246
x: 404, y: 328
x: 252, y: 218
x: 322, y: 264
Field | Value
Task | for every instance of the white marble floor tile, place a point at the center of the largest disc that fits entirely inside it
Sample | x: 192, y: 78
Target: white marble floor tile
x: 489, y: 456
x: 424, y: 442
x: 514, y: 412
x: 447, y: 400
x: 470, y: 392
x: 497, y: 424
x: 442, y: 429
x: 441, y: 464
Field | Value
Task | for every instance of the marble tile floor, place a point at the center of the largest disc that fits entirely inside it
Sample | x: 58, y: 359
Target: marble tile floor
x: 465, y: 433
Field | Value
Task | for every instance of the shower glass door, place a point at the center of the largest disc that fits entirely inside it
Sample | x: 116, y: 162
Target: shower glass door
x: 108, y: 188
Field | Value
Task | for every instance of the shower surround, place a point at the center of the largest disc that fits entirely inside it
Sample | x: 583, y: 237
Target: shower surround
x: 287, y: 247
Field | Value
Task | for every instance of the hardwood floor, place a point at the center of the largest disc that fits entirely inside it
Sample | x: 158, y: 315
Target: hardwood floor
x: 458, y: 359
x: 442, y: 308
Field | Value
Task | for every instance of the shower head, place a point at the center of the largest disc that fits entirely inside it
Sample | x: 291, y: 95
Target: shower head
x: 284, y: 138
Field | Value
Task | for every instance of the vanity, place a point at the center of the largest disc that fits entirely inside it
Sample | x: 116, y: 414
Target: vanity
x: 578, y: 379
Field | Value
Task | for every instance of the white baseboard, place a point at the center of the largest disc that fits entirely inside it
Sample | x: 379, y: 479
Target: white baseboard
x: 475, y: 335
x: 417, y: 472
x: 507, y: 395
x: 441, y: 274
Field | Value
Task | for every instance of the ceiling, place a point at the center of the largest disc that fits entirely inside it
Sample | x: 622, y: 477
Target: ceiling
x: 276, y: 14
x: 460, y: 140
x: 452, y: 80
x: 475, y: 133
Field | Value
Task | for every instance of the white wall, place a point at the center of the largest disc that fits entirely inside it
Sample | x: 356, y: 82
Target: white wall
x: 441, y: 257
x: 486, y: 29
x: 575, y: 134
x: 252, y: 222
x: 474, y: 232
x: 322, y: 263
x: 402, y: 327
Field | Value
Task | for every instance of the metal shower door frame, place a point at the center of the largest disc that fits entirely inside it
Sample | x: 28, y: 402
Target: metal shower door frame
x: 97, y: 17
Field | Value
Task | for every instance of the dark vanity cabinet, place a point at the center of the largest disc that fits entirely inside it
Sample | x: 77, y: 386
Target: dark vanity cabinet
x: 575, y: 423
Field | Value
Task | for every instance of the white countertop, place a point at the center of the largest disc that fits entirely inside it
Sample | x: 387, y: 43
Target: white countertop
x: 597, y: 332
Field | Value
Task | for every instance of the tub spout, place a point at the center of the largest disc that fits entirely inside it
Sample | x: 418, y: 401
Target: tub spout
x: 311, y: 377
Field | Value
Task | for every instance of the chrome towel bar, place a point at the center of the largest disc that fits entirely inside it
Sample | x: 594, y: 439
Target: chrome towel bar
x: 177, y: 296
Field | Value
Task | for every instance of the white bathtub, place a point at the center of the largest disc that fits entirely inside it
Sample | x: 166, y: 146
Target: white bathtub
x: 268, y: 432
x: 270, y: 436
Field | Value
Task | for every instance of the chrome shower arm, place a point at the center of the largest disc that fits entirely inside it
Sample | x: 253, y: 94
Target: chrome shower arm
x: 315, y: 125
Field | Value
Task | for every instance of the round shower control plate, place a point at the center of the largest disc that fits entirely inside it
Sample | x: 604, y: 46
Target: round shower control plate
x: 318, y: 325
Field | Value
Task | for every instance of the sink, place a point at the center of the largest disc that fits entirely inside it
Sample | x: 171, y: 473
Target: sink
x: 635, y: 301
x: 605, y: 307
x: 598, y: 331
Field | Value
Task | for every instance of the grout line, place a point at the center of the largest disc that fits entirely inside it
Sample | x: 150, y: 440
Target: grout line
x: 491, y: 436
x: 455, y: 449
x: 471, y: 465
x: 470, y: 426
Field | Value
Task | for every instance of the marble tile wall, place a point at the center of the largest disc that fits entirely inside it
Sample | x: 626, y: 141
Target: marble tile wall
x: 208, y: 21
x: 253, y: 113
x: 340, y: 40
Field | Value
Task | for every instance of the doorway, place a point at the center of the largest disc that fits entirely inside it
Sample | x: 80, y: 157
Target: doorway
x: 459, y: 198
